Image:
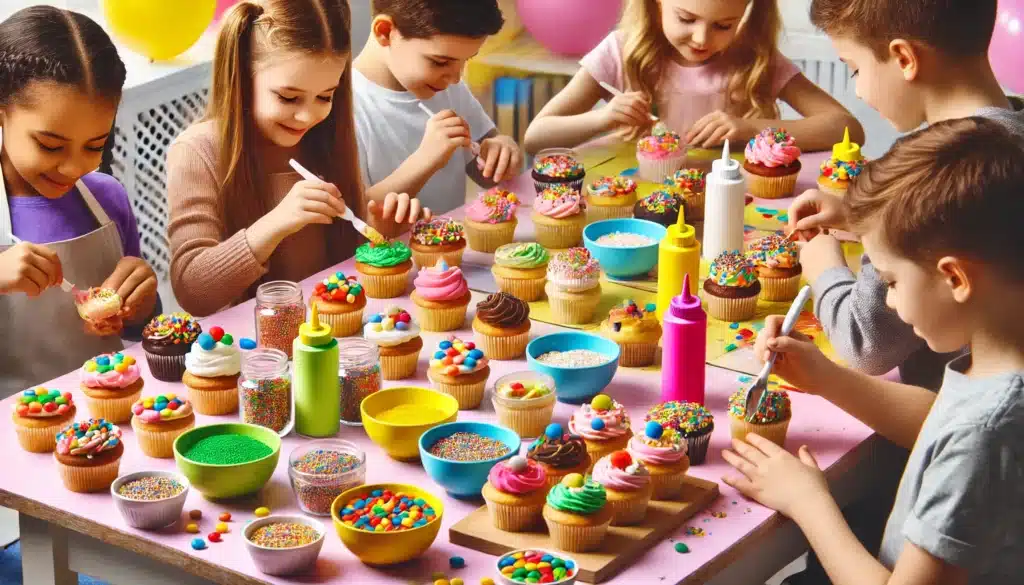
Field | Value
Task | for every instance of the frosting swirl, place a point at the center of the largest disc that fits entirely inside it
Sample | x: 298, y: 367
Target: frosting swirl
x: 441, y: 282
x: 689, y: 418
x: 776, y: 407
x: 565, y: 452
x: 574, y: 269
x: 110, y: 370
x: 774, y: 251
x: 495, y: 205
x: 614, y: 422
x: 506, y: 479
x: 558, y: 166
x: 164, y: 407
x: 503, y: 310
x: 617, y: 186
x: 178, y: 328
x: 394, y: 326
x: 631, y: 478
x: 666, y: 450
x: 520, y: 255
x: 578, y: 500
x: 559, y: 201
x: 691, y: 180
x: 437, y: 231
x: 43, y: 403
x: 221, y: 360
x: 732, y: 269
x: 772, y: 148
x: 88, y: 438
x: 383, y: 255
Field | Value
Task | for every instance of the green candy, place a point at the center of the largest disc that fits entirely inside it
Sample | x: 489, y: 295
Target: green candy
x: 557, y: 563
x: 55, y: 393
x: 532, y: 580
x: 533, y: 575
x: 227, y: 339
x: 45, y: 399
x: 28, y: 399
x: 520, y: 572
x: 60, y: 400
x: 558, y: 573
x: 682, y: 548
x: 104, y: 369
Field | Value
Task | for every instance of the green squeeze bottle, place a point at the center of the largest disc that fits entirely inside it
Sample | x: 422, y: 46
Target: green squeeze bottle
x: 315, y: 379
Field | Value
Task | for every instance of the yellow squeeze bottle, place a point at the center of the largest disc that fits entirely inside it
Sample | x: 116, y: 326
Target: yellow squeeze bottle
x: 678, y: 255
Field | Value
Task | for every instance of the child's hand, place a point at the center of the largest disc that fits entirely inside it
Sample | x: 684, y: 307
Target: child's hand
x: 630, y: 110
x: 800, y: 362
x: 29, y: 268
x: 824, y: 251
x: 111, y: 326
x: 446, y: 132
x: 307, y: 202
x: 501, y: 155
x: 774, y: 477
x: 135, y: 283
x: 395, y: 213
x: 714, y: 128
x: 815, y: 211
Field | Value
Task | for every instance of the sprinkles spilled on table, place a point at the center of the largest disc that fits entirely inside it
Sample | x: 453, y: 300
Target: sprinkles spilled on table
x: 284, y: 535
x: 150, y: 489
x: 465, y: 446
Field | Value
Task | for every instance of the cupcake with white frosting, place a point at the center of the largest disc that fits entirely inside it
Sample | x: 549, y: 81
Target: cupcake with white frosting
x: 397, y: 335
x: 211, y: 373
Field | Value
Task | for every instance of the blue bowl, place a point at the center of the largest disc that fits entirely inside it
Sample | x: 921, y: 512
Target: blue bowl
x: 575, y: 385
x: 464, y: 479
x: 619, y: 262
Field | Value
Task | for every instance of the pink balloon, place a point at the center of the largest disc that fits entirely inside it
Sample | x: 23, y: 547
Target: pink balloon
x: 569, y: 27
x: 222, y: 7
x: 1006, y: 52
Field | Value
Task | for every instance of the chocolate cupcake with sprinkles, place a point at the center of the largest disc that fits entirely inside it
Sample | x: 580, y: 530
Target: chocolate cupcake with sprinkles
x: 693, y: 421
x: 692, y: 185
x: 661, y: 206
x: 437, y: 238
x: 557, y: 166
x: 166, y: 340
x: 732, y: 287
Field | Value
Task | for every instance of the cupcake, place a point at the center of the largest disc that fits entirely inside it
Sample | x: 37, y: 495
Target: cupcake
x: 691, y: 420
x: 441, y: 295
x: 610, y: 198
x: 732, y: 287
x: 845, y: 165
x: 460, y: 370
x: 88, y: 455
x: 515, y: 493
x: 340, y: 301
x: 663, y: 451
x: 521, y: 270
x: 660, y: 154
x: 573, y: 287
x: 636, y: 330
x: 559, y: 453
x: 772, y: 164
x: 211, y: 373
x: 158, y: 420
x: 524, y: 402
x: 502, y: 326
x: 690, y: 183
x: 559, y: 216
x: 384, y: 268
x: 603, y: 424
x: 627, y: 484
x: 398, y: 338
x: 577, y: 514
x: 557, y: 166
x: 778, y: 267
x: 771, y: 421
x: 661, y: 206
x: 491, y: 219
x: 98, y: 304
x: 111, y: 382
x: 435, y: 239
x: 166, y: 339
x: 39, y: 415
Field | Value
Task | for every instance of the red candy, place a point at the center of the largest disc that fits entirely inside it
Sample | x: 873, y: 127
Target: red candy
x: 517, y: 386
x: 50, y: 407
x: 620, y: 459
x: 67, y: 397
x: 22, y: 409
x: 470, y: 345
x: 216, y: 332
x: 213, y: 537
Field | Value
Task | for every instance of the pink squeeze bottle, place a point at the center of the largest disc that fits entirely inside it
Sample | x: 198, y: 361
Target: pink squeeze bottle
x: 684, y: 348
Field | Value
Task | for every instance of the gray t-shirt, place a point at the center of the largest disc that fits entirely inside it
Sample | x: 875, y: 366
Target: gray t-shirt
x: 961, y: 498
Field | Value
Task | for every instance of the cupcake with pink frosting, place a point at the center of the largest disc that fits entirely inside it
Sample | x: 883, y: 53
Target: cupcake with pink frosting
x: 627, y: 484
x: 772, y: 164
x: 660, y: 154
x: 441, y: 295
x: 515, y: 493
x: 663, y: 451
x: 158, y: 420
x: 559, y: 216
x: 111, y: 382
x: 603, y: 424
x: 491, y: 220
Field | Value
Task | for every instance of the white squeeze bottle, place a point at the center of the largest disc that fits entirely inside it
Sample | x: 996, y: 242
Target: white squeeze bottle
x: 725, y: 198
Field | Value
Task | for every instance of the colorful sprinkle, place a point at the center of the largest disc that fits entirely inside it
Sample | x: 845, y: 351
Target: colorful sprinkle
x: 226, y: 449
x: 325, y: 474
x: 732, y: 269
x: 691, y: 180
x: 438, y: 230
x: 574, y: 358
x: 266, y: 401
x: 150, y: 489
x: 284, y: 535
x: 661, y: 140
x: 574, y: 264
x: 775, y: 406
x: 774, y: 251
x: 560, y: 166
x: 277, y: 323
x: 496, y: 204
x: 613, y: 186
x: 384, y: 511
x: 661, y: 201
x: 356, y: 383
x: 466, y: 446
x: 686, y: 417
x: 172, y: 329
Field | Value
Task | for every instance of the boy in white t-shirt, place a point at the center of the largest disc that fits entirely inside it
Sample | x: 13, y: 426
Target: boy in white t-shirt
x: 415, y: 55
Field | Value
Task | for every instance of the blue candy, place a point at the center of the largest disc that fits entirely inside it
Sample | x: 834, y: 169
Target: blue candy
x: 476, y: 354
x: 553, y: 431
x: 339, y: 275
x: 545, y: 559
x: 198, y: 543
x: 596, y: 424
x: 469, y: 362
x: 650, y: 307
x: 653, y: 429
x: 246, y: 343
x: 444, y: 344
x: 570, y: 564
x: 439, y: 355
x: 103, y: 361
x: 456, y: 562
x: 376, y: 319
x: 377, y: 493
x: 206, y: 341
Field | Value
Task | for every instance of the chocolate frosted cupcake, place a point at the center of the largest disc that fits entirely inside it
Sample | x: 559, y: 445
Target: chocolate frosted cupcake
x: 166, y: 340
x: 691, y: 184
x: 662, y: 207
x: 694, y: 422
x: 502, y: 326
x: 559, y: 453
x: 732, y: 287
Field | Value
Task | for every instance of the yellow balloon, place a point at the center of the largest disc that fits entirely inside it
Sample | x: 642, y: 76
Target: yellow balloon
x: 158, y: 29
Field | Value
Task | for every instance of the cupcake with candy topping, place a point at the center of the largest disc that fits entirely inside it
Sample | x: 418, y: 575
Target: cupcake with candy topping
x: 521, y: 269
x: 574, y: 286
x: 610, y: 198
x: 557, y: 166
x: 603, y: 424
x: 340, y: 301
x: 384, y: 268
x: 663, y: 451
x: 211, y: 373
x: 491, y: 219
x: 660, y: 154
x: 524, y: 402
x: 559, y: 216
x: 778, y: 267
x: 577, y: 514
x: 732, y: 287
x: 661, y: 206
x: 636, y: 330
x: 460, y: 370
x: 441, y: 295
x: 771, y: 421
x: 691, y: 420
x: 559, y: 453
x: 88, y: 455
x: 839, y: 170
x: 159, y: 420
x: 772, y: 164
x: 502, y: 326
x: 435, y: 239
x: 691, y: 184
x: 515, y: 493
x: 111, y: 383
x: 39, y: 415
x: 627, y: 484
x: 397, y: 336
x: 166, y: 340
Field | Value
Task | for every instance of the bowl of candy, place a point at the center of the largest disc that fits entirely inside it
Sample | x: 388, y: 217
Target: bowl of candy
x: 413, y: 514
x: 625, y: 248
x: 459, y: 455
x: 321, y: 470
x: 536, y: 566
x: 581, y: 364
x: 284, y: 545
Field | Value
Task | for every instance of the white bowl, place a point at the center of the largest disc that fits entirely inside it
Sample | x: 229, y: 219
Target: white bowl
x: 150, y: 514
x: 284, y: 561
x: 566, y: 581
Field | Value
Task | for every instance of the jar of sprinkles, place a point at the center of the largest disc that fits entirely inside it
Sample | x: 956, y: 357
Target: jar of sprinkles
x: 321, y: 470
x: 279, y: 312
x: 265, y: 390
x: 358, y: 375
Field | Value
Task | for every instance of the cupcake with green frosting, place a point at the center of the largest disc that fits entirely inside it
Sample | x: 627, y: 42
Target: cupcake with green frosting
x: 384, y: 269
x: 577, y: 514
x: 520, y: 269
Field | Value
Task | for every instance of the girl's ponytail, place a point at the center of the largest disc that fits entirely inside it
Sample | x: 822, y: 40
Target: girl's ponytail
x: 749, y: 92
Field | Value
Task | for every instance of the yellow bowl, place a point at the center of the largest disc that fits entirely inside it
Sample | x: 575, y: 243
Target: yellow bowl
x: 387, y: 548
x: 395, y: 418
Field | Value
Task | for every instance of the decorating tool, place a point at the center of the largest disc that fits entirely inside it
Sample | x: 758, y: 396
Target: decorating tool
x: 371, y: 234
x: 756, y: 392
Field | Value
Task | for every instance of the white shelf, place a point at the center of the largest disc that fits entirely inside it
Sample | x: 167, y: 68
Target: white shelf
x: 528, y: 55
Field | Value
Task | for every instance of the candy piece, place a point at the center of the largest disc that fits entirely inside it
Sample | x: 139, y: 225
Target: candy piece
x: 653, y: 429
x: 246, y: 343
x: 456, y: 562
x: 227, y: 339
x: 206, y: 341
x: 518, y: 464
x: 620, y: 459
x: 225, y: 517
x: 195, y: 514
x: 262, y: 512
x: 486, y: 581
x: 573, y: 480
x: 682, y: 548
x: 192, y: 527
x: 601, y: 402
x: 596, y: 424
x: 221, y: 527
x: 198, y: 543
x: 213, y: 536
x: 216, y: 333
x: 457, y: 581
x: 553, y: 431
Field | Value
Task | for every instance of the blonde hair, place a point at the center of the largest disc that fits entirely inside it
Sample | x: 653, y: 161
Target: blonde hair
x: 748, y: 59
x: 249, y: 33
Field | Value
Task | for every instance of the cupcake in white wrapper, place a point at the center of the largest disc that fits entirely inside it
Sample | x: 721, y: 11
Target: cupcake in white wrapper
x: 573, y: 286
x: 659, y: 155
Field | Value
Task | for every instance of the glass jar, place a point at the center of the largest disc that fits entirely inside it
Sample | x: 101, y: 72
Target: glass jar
x: 265, y: 390
x: 358, y: 375
x: 279, y: 312
x: 321, y: 470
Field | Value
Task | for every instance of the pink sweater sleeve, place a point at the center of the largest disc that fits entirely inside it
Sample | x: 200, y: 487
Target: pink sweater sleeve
x: 604, y: 62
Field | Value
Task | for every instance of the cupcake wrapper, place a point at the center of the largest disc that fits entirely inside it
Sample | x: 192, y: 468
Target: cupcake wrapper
x: 166, y: 368
x: 780, y: 289
x: 562, y: 236
x: 214, y: 402
x: 697, y: 448
x: 526, y: 422
x: 41, y: 440
x: 603, y: 212
x: 668, y: 486
x: 694, y: 205
x: 158, y: 444
x: 469, y: 396
x: 399, y: 367
x: 527, y: 289
x: 503, y: 348
x: 774, y: 432
x: 438, y: 320
x: 429, y: 259
x: 344, y: 324
x: 656, y: 170
x: 518, y: 518
x: 89, y: 479
x: 576, y: 538
x: 115, y: 410
x: 488, y: 240
x: 637, y: 355
x: 384, y: 286
x: 771, y: 187
x: 572, y: 311
x: 731, y: 310
x: 629, y: 512
x: 575, y: 184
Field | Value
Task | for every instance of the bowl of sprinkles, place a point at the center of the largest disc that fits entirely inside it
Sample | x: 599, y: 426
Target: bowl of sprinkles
x: 284, y: 545
x: 459, y: 455
x: 536, y: 566
x: 581, y: 364
x: 150, y: 499
x: 321, y: 470
x: 387, y: 523
x: 625, y: 248
x: 227, y: 460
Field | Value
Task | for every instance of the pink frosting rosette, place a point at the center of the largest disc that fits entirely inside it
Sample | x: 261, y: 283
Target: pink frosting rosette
x: 665, y: 450
x: 113, y: 371
x: 441, y: 282
x: 559, y: 201
x: 614, y: 422
x: 630, y: 478
x: 496, y: 205
x: 772, y: 148
x: 512, y: 477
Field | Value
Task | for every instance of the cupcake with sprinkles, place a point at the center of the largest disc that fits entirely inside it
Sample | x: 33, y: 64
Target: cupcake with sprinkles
x: 627, y: 484
x: 772, y: 164
x: 771, y: 421
x: 610, y: 198
x: 557, y: 166
x: 691, y: 184
x: 574, y: 286
x: 521, y: 270
x: 577, y: 514
x: 435, y: 239
x: 603, y: 424
x: 491, y: 219
x: 559, y: 453
x: 166, y: 340
x: 663, y: 451
x: 515, y: 493
x: 660, y: 154
x: 157, y: 422
x: 38, y: 416
x: 732, y: 287
x: 839, y: 170
x: 384, y: 268
x: 661, y: 206
x: 692, y: 421
x: 397, y: 336
x: 441, y: 296
x: 211, y: 373
x: 460, y: 370
x: 340, y: 301
x: 559, y: 216
x: 502, y: 326
x: 111, y: 383
x: 636, y: 330
x: 778, y: 267
x: 88, y: 455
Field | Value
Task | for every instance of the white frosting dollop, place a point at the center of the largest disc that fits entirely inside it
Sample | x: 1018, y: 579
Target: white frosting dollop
x: 390, y: 338
x: 222, y: 360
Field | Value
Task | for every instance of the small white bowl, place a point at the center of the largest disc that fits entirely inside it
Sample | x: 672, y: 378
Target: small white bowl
x: 150, y: 514
x: 284, y: 561
x: 566, y: 581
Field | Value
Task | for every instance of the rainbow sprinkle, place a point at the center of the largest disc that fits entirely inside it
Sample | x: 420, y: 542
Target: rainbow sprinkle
x: 437, y: 231
x: 613, y: 186
x: 561, y: 166
x: 838, y: 170
x: 661, y: 201
x: 691, y: 180
x: 774, y: 251
x: 732, y: 269
x: 574, y: 263
x: 501, y: 204
x: 775, y: 406
x: 688, y: 418
x: 661, y: 140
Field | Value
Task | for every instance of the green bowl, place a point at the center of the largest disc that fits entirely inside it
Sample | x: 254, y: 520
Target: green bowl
x: 233, y: 480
